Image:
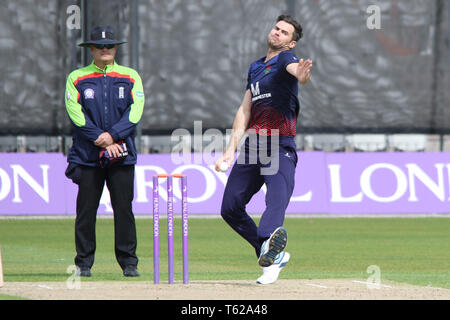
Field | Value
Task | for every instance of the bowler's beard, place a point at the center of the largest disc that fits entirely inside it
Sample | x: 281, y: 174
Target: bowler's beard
x: 276, y: 47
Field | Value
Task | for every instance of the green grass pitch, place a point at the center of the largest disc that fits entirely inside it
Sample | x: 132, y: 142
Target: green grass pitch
x: 409, y: 250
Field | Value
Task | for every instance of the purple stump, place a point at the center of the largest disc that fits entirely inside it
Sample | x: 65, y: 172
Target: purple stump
x: 155, y: 230
x: 185, y: 229
x: 170, y: 226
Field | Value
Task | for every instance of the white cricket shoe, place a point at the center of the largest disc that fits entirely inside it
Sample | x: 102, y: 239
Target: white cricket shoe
x: 270, y: 274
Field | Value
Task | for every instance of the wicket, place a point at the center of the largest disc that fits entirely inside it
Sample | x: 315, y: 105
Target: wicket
x: 170, y: 211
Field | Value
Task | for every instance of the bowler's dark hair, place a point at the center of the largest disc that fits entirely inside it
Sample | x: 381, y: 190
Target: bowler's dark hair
x: 298, y: 31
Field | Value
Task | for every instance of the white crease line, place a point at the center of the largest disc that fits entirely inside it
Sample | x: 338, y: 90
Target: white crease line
x: 372, y: 284
x: 316, y: 285
x: 36, y: 285
x: 44, y: 286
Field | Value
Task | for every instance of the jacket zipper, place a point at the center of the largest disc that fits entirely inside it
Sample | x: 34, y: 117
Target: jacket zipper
x: 105, y: 100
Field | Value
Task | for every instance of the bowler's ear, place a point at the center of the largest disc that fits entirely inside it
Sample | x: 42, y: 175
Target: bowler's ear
x: 292, y: 44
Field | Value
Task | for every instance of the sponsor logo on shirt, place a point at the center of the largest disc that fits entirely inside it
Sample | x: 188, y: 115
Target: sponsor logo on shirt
x: 256, y: 93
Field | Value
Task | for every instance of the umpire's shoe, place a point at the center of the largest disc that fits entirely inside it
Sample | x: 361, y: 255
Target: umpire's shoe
x: 83, y: 271
x: 130, y: 271
x: 272, y: 247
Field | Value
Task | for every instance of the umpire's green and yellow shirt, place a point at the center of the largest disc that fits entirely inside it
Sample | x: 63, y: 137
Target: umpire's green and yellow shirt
x: 103, y: 100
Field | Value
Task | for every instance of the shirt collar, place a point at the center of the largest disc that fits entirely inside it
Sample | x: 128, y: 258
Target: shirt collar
x: 108, y: 68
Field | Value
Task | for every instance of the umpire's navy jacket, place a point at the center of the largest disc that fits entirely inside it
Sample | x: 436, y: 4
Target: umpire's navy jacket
x: 97, y: 101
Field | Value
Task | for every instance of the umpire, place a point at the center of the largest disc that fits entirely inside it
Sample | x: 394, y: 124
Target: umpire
x: 104, y: 102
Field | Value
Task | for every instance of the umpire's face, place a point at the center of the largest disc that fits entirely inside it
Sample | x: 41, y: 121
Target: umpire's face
x: 105, y: 55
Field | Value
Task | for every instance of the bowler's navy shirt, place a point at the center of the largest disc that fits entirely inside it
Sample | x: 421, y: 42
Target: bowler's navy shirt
x: 274, y: 91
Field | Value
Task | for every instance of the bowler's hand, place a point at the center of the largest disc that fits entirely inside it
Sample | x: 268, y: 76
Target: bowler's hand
x: 228, y: 157
x: 304, y: 71
x: 104, y: 140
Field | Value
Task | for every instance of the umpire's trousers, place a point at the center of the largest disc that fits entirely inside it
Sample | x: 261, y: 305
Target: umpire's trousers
x: 120, y: 182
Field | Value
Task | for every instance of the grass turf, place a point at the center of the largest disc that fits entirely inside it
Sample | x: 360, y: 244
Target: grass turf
x: 409, y: 250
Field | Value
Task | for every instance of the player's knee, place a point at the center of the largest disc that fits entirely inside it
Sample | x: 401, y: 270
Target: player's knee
x: 228, y: 205
x: 225, y: 211
x: 231, y: 211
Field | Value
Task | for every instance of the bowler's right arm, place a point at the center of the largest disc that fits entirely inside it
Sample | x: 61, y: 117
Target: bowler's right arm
x: 240, y: 124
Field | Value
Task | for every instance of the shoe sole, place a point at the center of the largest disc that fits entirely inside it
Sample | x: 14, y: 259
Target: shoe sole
x: 277, y: 243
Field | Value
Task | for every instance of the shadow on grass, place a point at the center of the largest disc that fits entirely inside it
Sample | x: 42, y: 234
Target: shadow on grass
x: 62, y: 277
x: 24, y: 277
x: 8, y: 297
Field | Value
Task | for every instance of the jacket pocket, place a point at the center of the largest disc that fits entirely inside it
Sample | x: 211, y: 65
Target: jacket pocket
x: 87, y: 151
x: 120, y: 95
x: 91, y: 100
